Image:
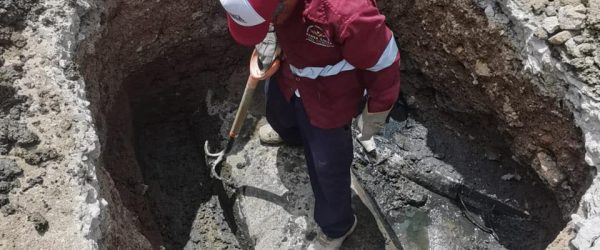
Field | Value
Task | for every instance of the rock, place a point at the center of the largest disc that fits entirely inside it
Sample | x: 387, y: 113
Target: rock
x: 593, y: 18
x: 5, y: 187
x: 417, y: 200
x: 586, y: 48
x: 560, y: 38
x: 38, y: 156
x: 3, y: 200
x: 572, y: 49
x: 492, y: 154
x: 5, y: 35
x: 548, y: 169
x: 570, y: 2
x: 39, y: 222
x: 597, y: 57
x: 582, y: 63
x: 541, y: 33
x: 551, y: 24
x: 9, y: 170
x: 551, y: 11
x: 580, y: 39
x: 508, y: 177
x: 572, y: 17
x: 32, y: 182
x: 538, y: 6
x: 588, y: 232
x: 7, y: 210
x: 8, y: 97
x: 27, y: 138
x: 482, y: 69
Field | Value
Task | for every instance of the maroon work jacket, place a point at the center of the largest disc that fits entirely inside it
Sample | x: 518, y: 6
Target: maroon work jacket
x: 334, y: 50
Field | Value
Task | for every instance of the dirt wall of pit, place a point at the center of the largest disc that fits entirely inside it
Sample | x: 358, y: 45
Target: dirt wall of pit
x: 48, y: 145
x: 475, y: 69
x: 132, y: 37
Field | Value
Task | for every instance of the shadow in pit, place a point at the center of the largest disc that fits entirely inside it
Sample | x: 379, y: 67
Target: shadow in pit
x: 170, y: 125
x: 177, y: 181
x: 494, y: 190
x: 185, y: 201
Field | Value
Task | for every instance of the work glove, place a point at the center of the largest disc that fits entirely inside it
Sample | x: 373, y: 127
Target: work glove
x: 368, y: 125
x: 267, y: 50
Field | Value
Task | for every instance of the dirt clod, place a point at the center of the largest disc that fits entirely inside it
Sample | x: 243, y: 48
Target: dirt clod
x: 8, y: 209
x: 39, y: 156
x: 9, y: 170
x: 39, y: 222
x: 32, y: 182
x: 5, y: 187
x: 3, y: 199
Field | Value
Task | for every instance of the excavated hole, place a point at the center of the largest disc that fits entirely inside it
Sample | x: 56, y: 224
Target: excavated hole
x: 170, y: 124
x: 150, y: 97
x: 154, y: 151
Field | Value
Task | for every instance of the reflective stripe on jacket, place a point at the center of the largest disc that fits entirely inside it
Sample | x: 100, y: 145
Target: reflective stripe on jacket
x: 332, y: 51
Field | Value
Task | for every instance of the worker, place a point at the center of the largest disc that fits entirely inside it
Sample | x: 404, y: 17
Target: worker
x: 335, y: 54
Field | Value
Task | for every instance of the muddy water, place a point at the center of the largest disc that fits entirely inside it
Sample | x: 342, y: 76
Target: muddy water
x: 440, y: 225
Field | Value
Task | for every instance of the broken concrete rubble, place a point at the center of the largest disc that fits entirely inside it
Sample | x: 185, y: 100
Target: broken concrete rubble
x: 572, y: 17
x: 572, y: 48
x: 551, y: 24
x: 593, y: 19
x: 560, y: 38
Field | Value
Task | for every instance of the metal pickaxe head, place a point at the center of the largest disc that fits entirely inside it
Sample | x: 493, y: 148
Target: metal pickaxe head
x: 218, y: 158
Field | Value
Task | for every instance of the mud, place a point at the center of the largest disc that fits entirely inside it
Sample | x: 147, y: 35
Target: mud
x: 469, y: 191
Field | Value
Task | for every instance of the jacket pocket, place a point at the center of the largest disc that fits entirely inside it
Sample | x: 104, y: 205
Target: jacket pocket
x: 345, y: 84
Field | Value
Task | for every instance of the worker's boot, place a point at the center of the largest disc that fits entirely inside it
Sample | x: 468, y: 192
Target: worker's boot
x: 267, y: 135
x: 322, y: 242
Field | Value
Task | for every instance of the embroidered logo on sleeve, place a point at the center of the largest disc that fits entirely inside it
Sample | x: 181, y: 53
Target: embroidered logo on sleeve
x: 316, y: 35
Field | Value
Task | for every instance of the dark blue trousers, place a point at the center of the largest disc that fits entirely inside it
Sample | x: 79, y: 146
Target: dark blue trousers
x: 328, y: 154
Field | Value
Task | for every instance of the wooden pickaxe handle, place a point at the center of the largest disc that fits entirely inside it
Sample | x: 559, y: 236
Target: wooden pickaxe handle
x: 254, y: 77
x: 240, y: 116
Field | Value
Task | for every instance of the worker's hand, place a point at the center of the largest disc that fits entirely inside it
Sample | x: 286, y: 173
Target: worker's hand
x: 267, y: 50
x: 368, y: 125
